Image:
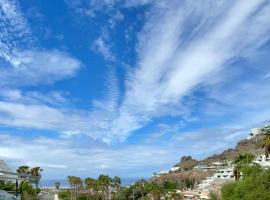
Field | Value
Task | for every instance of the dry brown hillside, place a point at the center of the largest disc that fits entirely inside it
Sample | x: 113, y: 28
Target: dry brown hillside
x: 244, y: 146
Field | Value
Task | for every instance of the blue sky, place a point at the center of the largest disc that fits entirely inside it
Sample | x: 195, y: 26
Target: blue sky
x: 128, y: 87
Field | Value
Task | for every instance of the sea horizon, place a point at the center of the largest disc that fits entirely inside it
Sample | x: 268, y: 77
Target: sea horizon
x: 49, y: 183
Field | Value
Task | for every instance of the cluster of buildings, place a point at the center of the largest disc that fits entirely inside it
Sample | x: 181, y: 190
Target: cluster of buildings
x: 254, y: 132
x: 213, y: 167
x: 222, y: 172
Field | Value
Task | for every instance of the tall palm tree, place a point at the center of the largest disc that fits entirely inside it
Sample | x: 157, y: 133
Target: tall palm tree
x: 36, y: 172
x: 266, y: 140
x: 240, y: 161
x: 78, y: 185
x: 116, y: 184
x: 90, y: 184
x: 104, y: 183
x: 141, y: 186
x: 71, y: 186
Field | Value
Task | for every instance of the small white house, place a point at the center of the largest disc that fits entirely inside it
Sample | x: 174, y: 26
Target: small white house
x: 253, y: 133
x: 174, y: 169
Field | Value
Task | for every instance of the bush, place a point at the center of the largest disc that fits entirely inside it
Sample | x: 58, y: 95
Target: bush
x: 254, y: 185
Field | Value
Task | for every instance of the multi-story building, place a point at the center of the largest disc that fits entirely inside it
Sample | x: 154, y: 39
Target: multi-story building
x: 263, y: 161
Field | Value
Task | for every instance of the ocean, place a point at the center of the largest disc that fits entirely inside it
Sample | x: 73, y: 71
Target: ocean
x: 49, y: 183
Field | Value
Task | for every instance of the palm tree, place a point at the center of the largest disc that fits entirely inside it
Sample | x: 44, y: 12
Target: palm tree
x: 78, y: 185
x: 266, y: 140
x: 155, y: 190
x: 90, y: 184
x: 72, y: 187
x: 57, y: 185
x: 36, y: 172
x: 104, y: 183
x: 116, y: 184
x: 23, y: 171
x: 141, y: 186
x: 240, y: 161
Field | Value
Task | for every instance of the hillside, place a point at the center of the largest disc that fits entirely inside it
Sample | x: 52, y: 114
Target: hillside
x: 187, y: 163
x: 244, y: 146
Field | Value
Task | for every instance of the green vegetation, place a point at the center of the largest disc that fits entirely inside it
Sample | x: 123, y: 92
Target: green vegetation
x: 241, y: 161
x: 25, y: 188
x: 255, y: 184
x: 105, y: 187
x: 7, y: 186
x: 27, y: 191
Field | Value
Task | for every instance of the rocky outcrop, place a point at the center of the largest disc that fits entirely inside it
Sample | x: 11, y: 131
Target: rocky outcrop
x: 187, y: 162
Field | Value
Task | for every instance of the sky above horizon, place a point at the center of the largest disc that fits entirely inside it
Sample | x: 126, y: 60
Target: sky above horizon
x: 127, y: 87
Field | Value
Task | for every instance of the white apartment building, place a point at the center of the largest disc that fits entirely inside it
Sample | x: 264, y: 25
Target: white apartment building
x: 225, y: 174
x: 263, y: 161
x: 253, y: 133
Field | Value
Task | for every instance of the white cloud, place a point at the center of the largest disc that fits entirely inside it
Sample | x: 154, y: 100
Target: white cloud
x: 65, y: 121
x: 175, y: 57
x: 35, y: 110
x: 80, y: 156
x: 54, y: 98
x: 14, y: 30
x: 21, y: 62
x: 62, y: 155
x: 38, y: 67
x: 101, y: 46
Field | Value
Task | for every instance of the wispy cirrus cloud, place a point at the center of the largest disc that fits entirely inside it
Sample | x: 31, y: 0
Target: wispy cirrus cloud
x: 102, y: 47
x: 22, y: 61
x: 15, y: 30
x: 33, y: 67
x: 177, y: 54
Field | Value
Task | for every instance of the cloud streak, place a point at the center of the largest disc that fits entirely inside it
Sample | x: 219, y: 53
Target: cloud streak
x: 22, y: 61
x: 173, y: 64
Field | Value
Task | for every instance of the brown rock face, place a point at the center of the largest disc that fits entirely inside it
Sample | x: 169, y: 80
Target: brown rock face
x: 187, y: 163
